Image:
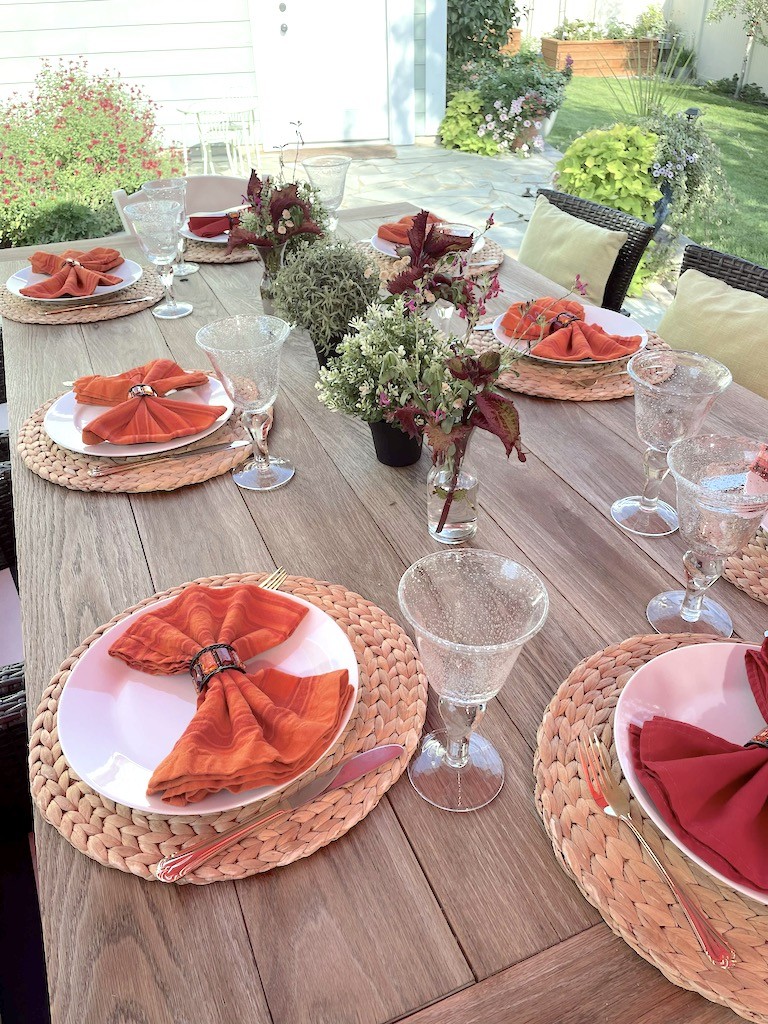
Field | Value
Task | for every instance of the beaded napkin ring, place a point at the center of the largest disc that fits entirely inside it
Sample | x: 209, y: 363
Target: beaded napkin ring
x: 142, y: 391
x: 211, y: 660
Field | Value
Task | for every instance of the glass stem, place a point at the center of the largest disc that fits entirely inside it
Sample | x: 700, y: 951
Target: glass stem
x: 257, y: 426
x: 166, y: 279
x: 700, y: 574
x: 656, y: 468
x: 460, y: 721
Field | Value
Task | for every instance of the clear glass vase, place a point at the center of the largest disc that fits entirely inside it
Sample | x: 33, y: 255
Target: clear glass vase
x: 272, y: 260
x: 452, y: 498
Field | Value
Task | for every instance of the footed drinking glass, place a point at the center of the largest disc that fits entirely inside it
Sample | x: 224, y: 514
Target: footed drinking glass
x: 722, y: 494
x: 328, y: 174
x: 471, y: 611
x: 674, y: 391
x: 245, y: 354
x: 156, y: 224
x: 174, y: 189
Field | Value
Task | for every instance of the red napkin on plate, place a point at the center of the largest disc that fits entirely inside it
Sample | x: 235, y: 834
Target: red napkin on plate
x: 251, y: 729
x: 520, y: 320
x: 141, y: 418
x: 398, y: 232
x: 73, y: 272
x: 580, y: 340
x: 713, y: 794
x: 209, y: 227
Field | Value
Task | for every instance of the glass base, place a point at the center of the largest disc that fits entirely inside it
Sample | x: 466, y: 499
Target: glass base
x: 664, y: 615
x: 458, y: 533
x: 166, y: 311
x: 185, y: 269
x: 256, y: 476
x: 456, y: 789
x: 632, y: 517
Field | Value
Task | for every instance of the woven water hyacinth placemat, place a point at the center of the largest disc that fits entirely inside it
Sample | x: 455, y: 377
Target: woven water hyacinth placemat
x: 25, y: 311
x: 598, y: 383
x: 390, y: 708
x: 201, y: 251
x: 488, y: 260
x: 71, y: 469
x: 749, y: 569
x: 607, y: 863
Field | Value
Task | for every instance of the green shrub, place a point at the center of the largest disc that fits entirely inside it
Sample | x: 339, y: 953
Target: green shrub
x: 613, y: 167
x: 511, y: 77
x: 578, y: 29
x: 74, y: 139
x: 478, y: 27
x: 60, y: 221
x: 458, y: 129
x: 650, y: 24
x: 750, y: 92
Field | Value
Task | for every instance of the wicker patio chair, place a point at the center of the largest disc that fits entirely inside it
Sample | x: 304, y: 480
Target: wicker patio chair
x: 738, y: 273
x: 630, y: 253
x: 7, y: 533
x: 3, y: 396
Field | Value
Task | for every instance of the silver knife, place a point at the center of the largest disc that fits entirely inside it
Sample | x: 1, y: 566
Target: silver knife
x: 96, y: 305
x: 139, y: 463
x: 171, y: 869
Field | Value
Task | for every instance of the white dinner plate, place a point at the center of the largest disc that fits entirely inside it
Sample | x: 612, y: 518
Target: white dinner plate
x: 116, y: 724
x: 128, y: 272
x: 221, y: 239
x: 66, y: 418
x: 390, y: 249
x: 608, y: 319
x: 705, y: 685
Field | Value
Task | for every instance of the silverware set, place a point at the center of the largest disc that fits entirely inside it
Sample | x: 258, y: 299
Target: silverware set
x: 142, y: 463
x: 96, y: 305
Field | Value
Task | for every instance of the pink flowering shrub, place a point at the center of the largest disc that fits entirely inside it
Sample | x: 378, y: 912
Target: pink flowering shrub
x: 67, y: 146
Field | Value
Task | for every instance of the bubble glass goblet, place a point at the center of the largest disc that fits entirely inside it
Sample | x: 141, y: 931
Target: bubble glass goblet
x: 328, y: 174
x: 156, y: 225
x: 674, y: 391
x: 722, y: 494
x: 245, y: 354
x: 174, y: 189
x: 471, y: 611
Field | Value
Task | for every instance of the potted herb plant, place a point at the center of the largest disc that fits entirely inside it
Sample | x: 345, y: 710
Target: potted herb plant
x: 322, y: 289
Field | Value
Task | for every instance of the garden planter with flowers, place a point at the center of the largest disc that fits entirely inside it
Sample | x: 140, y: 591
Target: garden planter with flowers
x: 595, y: 58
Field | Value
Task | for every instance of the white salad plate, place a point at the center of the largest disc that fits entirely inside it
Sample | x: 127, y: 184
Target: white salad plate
x: 390, y: 249
x: 65, y: 419
x: 221, y: 239
x: 128, y: 272
x: 705, y: 685
x: 116, y: 724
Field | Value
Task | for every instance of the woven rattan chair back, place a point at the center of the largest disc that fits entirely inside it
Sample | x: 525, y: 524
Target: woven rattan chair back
x: 738, y: 273
x: 630, y: 253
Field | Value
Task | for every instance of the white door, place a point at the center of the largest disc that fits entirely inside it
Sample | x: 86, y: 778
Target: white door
x: 324, y: 63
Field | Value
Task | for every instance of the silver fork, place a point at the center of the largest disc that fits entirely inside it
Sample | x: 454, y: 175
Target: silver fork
x: 275, y: 580
x: 610, y: 798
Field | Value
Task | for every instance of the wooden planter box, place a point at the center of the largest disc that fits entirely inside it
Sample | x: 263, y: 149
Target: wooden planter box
x: 598, y: 57
x: 513, y: 43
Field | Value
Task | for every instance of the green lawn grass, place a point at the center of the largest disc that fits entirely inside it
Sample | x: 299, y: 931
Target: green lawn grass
x: 738, y: 129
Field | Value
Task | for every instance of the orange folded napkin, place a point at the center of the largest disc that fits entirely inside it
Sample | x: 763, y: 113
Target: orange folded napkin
x: 209, y: 227
x: 520, y: 320
x: 580, y: 340
x: 141, y: 417
x: 398, y: 232
x: 250, y: 729
x: 73, y: 273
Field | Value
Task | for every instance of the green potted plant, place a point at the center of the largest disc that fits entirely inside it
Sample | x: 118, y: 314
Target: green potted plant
x: 322, y: 289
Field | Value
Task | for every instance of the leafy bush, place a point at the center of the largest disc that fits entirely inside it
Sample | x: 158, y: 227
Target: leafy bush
x: 750, y: 93
x: 61, y: 221
x: 512, y: 77
x: 478, y: 28
x: 73, y: 140
x: 651, y: 23
x: 578, y: 29
x: 613, y: 167
x: 458, y: 129
x: 517, y: 126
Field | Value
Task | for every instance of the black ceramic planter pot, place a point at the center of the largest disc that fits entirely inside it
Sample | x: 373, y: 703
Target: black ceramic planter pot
x: 393, y: 446
x: 323, y: 355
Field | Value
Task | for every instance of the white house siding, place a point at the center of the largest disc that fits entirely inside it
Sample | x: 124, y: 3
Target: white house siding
x: 719, y: 46
x: 420, y: 64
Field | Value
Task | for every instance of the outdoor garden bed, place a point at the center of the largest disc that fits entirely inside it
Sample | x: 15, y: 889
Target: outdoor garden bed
x: 594, y: 58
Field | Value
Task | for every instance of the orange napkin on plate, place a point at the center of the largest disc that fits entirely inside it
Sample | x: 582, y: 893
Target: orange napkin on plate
x: 519, y: 322
x: 580, y: 340
x: 256, y: 729
x: 398, y: 232
x: 73, y: 272
x: 136, y: 420
x: 209, y: 227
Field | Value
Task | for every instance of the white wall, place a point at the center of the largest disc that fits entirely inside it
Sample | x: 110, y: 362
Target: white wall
x: 546, y: 15
x: 719, y: 46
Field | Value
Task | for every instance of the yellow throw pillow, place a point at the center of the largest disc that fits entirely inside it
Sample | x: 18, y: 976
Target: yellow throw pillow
x: 560, y: 246
x: 731, y: 325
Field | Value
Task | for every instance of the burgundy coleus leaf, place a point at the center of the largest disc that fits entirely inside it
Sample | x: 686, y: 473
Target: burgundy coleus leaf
x: 239, y: 236
x: 405, y: 281
x: 440, y: 442
x: 407, y: 418
x: 477, y: 369
x: 284, y: 199
x: 254, y: 188
x: 497, y: 414
x: 438, y: 243
x: 416, y: 237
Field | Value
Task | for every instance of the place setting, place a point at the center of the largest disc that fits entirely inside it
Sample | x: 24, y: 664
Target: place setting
x: 207, y: 235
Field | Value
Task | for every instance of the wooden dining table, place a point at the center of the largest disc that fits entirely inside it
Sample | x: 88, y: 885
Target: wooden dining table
x: 416, y: 914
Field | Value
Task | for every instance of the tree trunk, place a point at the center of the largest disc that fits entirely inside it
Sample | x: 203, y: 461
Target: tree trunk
x: 745, y: 63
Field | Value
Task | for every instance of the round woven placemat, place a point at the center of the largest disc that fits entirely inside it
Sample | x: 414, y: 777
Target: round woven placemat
x: 749, y: 569
x: 25, y: 311
x: 607, y: 863
x: 567, y: 383
x: 200, y: 251
x: 491, y: 253
x: 70, y: 469
x: 390, y: 709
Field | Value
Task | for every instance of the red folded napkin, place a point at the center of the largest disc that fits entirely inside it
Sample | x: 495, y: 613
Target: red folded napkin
x: 217, y: 224
x: 136, y: 419
x: 398, y: 232
x: 521, y: 319
x: 580, y: 340
x: 250, y: 729
x: 73, y: 272
x: 713, y: 794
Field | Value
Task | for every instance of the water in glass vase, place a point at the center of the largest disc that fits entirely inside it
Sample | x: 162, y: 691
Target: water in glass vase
x: 452, y: 502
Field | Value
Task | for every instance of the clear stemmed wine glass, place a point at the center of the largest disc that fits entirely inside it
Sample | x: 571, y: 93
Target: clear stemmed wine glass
x: 472, y: 611
x: 722, y: 494
x: 157, y: 228
x: 674, y: 391
x: 174, y: 189
x: 328, y: 174
x: 245, y: 354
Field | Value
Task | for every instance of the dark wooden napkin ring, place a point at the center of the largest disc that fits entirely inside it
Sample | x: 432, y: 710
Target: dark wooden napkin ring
x: 211, y: 660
